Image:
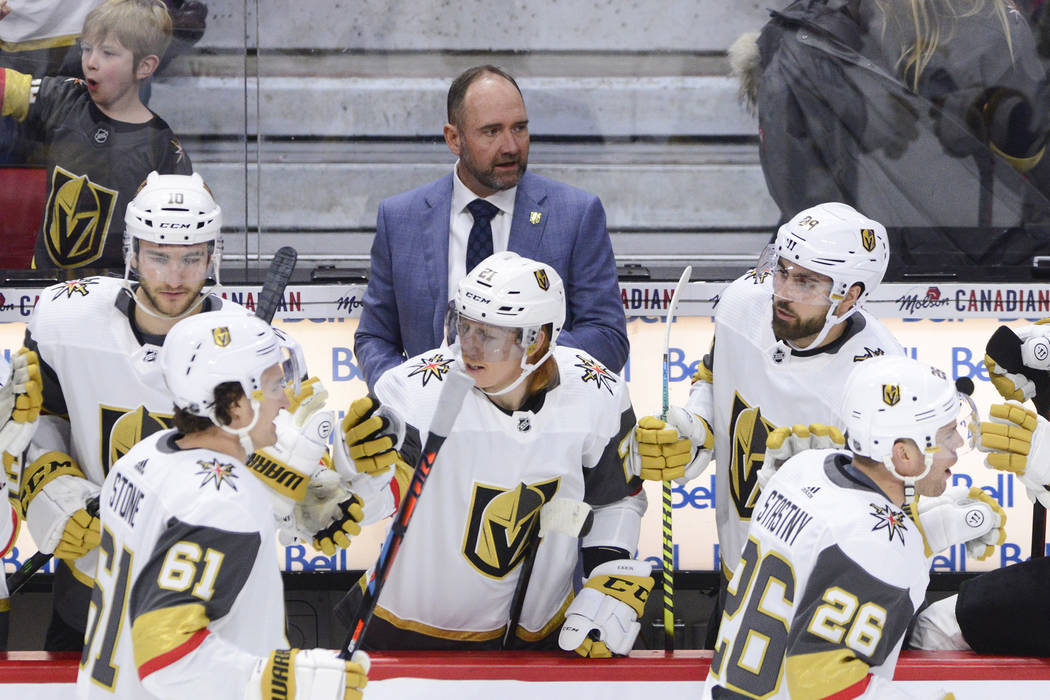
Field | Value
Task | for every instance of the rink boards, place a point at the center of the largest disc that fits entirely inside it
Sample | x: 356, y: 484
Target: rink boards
x: 643, y: 675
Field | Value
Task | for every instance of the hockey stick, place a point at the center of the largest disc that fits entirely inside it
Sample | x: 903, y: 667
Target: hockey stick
x: 535, y: 537
x: 518, y: 601
x: 281, y: 268
x: 36, y: 562
x: 1005, y: 348
x: 668, y: 532
x: 450, y: 401
x: 280, y: 272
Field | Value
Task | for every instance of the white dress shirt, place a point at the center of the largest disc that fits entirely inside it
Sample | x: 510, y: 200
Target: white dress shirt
x: 461, y: 221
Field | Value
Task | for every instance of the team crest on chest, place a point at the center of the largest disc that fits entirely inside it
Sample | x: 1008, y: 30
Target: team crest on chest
x: 216, y: 472
x: 595, y: 372
x: 748, y: 444
x: 68, y: 289
x: 433, y: 367
x: 120, y: 429
x: 890, y: 520
x: 76, y: 219
x: 499, y: 523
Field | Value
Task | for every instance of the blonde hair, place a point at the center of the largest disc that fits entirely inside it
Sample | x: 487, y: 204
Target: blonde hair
x: 922, y: 21
x: 141, y: 26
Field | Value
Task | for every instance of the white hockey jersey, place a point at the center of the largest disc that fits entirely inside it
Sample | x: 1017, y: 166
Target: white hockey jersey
x: 455, y: 575
x: 96, y: 372
x: 829, y: 578
x: 188, y: 594
x: 760, y: 384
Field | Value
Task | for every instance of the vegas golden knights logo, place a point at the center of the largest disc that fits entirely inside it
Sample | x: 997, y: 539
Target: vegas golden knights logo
x: 500, y: 522
x: 221, y: 335
x: 891, y: 394
x: 541, y: 279
x: 121, y: 428
x: 748, y: 436
x: 867, y: 239
x: 76, y: 219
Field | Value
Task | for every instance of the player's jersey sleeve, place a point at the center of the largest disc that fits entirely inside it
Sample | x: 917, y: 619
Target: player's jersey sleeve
x: 192, y: 580
x: 54, y: 401
x: 847, y: 622
x: 605, y: 477
x: 16, y: 93
x: 701, y: 399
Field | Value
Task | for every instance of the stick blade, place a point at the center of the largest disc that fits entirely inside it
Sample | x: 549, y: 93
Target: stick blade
x: 277, y: 277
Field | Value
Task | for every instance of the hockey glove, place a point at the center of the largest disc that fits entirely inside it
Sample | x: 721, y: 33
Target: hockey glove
x: 961, y: 515
x: 20, y: 400
x: 679, y: 449
x: 1018, y: 441
x: 1017, y: 360
x: 372, y: 437
x: 784, y: 443
x: 603, y: 619
x: 308, y: 674
x: 329, y: 514
x: 53, y: 496
x: 302, y: 442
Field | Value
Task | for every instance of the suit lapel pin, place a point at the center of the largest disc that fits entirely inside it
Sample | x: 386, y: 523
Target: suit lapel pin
x: 534, y: 217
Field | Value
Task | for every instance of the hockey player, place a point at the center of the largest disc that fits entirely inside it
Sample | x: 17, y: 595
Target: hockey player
x: 188, y: 600
x: 98, y: 340
x: 787, y: 335
x: 542, y: 428
x: 20, y: 400
x: 834, y: 567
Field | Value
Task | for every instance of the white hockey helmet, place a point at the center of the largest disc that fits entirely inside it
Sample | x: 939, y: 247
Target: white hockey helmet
x: 173, y: 210
x: 208, y: 349
x: 836, y: 240
x: 888, y: 398
x: 511, y: 292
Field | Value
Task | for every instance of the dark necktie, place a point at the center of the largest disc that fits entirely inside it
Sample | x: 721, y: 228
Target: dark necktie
x: 479, y: 245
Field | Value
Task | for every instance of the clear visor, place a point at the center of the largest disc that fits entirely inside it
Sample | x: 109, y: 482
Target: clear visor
x: 962, y: 435
x: 796, y: 283
x: 291, y: 370
x: 482, y: 342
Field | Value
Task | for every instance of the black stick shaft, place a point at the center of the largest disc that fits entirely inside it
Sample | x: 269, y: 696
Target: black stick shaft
x: 277, y: 277
x: 450, y: 401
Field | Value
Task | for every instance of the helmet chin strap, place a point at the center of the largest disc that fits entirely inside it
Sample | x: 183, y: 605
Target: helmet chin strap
x: 910, y: 482
x: 526, y: 369
x: 149, y: 311
x: 830, y: 321
x: 242, y: 434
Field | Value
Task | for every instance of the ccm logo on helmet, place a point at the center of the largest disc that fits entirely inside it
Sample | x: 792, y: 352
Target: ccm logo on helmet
x: 476, y: 297
x: 166, y: 224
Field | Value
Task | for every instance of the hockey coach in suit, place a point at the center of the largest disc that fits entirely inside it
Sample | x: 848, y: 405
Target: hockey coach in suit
x: 429, y: 238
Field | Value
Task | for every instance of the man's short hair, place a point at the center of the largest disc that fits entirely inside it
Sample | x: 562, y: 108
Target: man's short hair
x: 458, y: 90
x: 141, y: 26
x: 226, y: 395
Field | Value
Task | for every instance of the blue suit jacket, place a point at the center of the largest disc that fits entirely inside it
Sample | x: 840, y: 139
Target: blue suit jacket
x: 407, y: 295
